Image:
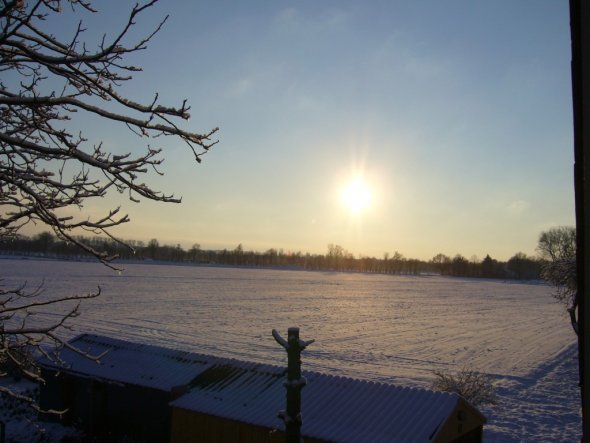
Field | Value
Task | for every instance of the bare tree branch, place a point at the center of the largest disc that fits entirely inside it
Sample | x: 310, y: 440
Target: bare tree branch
x: 48, y: 166
x: 35, y: 129
x: 557, y: 247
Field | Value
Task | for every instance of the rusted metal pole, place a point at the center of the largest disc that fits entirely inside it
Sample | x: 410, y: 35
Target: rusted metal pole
x: 294, y: 384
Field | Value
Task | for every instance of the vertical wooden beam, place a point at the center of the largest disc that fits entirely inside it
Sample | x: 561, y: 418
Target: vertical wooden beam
x: 580, y: 35
x: 294, y: 384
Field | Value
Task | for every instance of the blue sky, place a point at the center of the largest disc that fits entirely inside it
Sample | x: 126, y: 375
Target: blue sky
x: 456, y: 114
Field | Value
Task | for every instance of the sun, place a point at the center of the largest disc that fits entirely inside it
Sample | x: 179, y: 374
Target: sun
x: 356, y: 196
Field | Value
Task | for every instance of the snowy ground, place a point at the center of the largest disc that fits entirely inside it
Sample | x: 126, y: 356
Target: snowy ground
x: 541, y: 407
x: 393, y: 329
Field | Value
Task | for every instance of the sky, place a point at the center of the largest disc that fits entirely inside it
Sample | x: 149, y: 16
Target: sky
x: 455, y: 116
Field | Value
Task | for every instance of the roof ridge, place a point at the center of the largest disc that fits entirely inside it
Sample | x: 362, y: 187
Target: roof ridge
x: 210, y: 361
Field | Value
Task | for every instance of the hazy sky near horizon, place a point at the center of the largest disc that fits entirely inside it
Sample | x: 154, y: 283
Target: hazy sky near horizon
x: 456, y: 115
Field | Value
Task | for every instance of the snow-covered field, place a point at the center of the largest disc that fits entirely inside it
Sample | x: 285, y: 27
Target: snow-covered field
x: 376, y: 327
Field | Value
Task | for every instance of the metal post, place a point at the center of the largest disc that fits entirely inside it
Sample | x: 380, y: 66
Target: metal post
x: 294, y: 384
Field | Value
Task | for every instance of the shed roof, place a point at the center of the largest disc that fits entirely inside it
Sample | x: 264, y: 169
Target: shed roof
x: 333, y: 408
x: 130, y: 363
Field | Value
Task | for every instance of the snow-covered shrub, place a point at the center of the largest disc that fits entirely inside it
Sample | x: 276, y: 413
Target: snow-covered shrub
x: 475, y: 387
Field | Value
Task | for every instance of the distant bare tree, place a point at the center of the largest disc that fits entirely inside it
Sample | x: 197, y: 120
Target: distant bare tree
x: 442, y: 263
x: 556, y: 243
x: 47, y: 165
x: 557, y: 248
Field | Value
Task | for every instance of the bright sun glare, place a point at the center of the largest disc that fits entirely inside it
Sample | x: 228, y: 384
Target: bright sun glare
x: 356, y: 196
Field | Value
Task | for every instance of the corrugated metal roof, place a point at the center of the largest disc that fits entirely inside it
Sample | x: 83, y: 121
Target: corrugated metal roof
x: 333, y: 408
x: 130, y: 363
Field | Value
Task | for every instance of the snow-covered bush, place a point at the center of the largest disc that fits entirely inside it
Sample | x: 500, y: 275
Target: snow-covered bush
x: 475, y: 387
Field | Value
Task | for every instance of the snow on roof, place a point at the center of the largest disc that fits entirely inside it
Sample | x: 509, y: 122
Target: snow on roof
x: 130, y: 363
x: 333, y: 408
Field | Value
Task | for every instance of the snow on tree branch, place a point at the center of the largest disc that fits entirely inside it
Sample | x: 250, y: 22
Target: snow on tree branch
x: 48, y: 166
x: 36, y: 126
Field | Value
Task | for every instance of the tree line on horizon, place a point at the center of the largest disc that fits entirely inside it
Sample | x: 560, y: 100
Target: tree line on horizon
x: 519, y: 267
